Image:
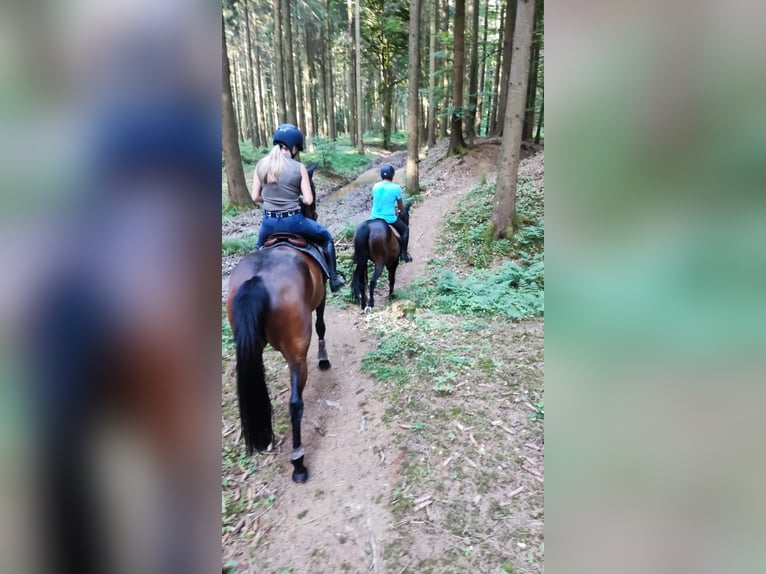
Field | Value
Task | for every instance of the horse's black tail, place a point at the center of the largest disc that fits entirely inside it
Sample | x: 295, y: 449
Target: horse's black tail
x: 361, y: 255
x: 66, y: 350
x: 249, y: 311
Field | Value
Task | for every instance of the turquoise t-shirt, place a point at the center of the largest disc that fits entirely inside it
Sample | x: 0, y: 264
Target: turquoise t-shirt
x: 384, y: 196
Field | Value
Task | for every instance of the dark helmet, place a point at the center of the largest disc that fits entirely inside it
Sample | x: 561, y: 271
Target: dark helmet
x: 387, y: 171
x: 288, y: 135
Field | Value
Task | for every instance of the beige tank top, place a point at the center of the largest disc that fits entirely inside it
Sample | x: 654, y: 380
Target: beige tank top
x: 283, y: 195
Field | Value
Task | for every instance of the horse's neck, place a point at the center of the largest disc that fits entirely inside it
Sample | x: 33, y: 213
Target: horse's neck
x: 308, y: 211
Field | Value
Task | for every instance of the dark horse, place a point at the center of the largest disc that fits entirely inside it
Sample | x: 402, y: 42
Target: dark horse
x: 118, y: 320
x: 375, y: 241
x: 272, y: 294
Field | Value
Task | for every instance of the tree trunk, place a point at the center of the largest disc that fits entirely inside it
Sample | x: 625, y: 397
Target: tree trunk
x: 287, y: 51
x: 534, y: 62
x: 529, y: 115
x: 492, y: 117
x: 508, y: 160
x: 247, y: 110
x: 255, y: 130
x: 322, y: 61
x: 302, y: 105
x: 263, y: 125
x: 434, y: 46
x: 510, y: 18
x: 310, y: 90
x: 358, y: 60
x: 473, y: 75
x: 353, y: 114
x: 237, y: 100
x: 301, y: 97
x: 413, y: 99
x: 279, y: 67
x: 330, y: 88
x: 235, y: 175
x: 456, y: 142
x: 480, y: 94
x: 540, y: 122
x: 445, y: 77
x: 388, y: 104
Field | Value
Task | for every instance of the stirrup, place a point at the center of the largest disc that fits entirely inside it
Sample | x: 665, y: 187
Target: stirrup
x: 405, y: 257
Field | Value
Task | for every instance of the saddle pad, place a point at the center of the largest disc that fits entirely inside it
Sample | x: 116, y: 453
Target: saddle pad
x: 308, y: 248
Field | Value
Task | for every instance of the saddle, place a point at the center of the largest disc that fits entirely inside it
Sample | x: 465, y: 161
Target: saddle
x: 391, y: 227
x: 299, y: 243
x: 291, y: 238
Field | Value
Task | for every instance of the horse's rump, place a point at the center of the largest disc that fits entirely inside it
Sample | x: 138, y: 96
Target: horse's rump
x: 374, y: 241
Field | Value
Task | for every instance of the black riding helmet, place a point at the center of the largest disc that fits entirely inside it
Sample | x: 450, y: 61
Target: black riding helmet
x: 387, y: 172
x: 288, y: 135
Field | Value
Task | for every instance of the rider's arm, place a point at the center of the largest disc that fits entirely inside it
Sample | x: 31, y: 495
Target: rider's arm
x: 306, y: 195
x: 399, y: 206
x: 256, y: 187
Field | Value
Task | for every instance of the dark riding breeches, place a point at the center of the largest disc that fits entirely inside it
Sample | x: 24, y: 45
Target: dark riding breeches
x: 404, y: 231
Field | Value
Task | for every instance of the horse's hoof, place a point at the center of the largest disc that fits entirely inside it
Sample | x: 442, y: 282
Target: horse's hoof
x: 302, y: 476
x: 324, y: 364
x: 367, y: 309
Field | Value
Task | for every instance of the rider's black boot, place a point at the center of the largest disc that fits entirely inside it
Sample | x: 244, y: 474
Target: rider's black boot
x: 336, y: 281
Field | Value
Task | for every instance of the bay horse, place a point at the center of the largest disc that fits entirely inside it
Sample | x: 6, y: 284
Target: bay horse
x: 272, y: 294
x: 375, y: 241
x: 119, y: 325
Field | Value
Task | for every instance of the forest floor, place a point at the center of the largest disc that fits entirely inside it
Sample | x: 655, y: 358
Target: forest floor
x: 424, y: 441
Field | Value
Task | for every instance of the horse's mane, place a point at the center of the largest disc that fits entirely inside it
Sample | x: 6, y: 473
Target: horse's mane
x: 405, y: 214
x: 310, y: 210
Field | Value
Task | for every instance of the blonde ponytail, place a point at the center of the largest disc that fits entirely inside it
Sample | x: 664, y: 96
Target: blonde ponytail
x: 270, y: 167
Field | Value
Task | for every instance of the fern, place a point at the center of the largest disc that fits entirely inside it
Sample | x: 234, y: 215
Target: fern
x: 510, y: 290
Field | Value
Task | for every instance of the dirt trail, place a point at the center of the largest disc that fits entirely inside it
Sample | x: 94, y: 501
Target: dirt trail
x: 339, y: 520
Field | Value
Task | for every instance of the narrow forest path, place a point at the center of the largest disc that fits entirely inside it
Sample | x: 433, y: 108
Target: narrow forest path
x: 340, y: 520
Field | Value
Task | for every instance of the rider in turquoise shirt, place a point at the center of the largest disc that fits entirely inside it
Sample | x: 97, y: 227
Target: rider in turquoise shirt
x: 386, y: 197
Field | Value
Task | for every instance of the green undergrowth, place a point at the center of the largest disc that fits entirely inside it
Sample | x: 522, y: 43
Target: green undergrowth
x: 406, y: 353
x: 509, y: 290
x: 337, y: 157
x: 469, y: 231
x: 376, y: 138
x: 477, y: 274
x: 346, y: 233
x: 238, y: 245
x: 448, y: 381
x: 228, y: 348
x: 439, y: 351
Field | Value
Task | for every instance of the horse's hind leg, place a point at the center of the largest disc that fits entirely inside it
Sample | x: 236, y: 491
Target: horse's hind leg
x: 364, y: 286
x: 324, y: 361
x: 374, y: 282
x: 298, y: 375
x: 391, y: 267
